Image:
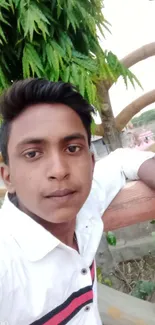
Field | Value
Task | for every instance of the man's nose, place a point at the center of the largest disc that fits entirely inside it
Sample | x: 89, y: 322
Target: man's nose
x: 58, y: 167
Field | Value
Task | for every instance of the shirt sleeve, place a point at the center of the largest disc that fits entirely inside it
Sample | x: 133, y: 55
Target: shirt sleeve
x: 112, y: 171
x: 131, y: 160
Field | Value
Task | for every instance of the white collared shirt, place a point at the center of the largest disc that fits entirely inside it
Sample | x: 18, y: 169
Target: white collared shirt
x: 43, y: 281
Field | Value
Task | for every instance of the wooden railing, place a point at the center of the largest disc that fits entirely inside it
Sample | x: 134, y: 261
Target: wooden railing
x: 135, y: 203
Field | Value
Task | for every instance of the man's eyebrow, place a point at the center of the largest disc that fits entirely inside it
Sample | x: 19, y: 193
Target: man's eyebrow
x: 74, y: 136
x: 34, y: 140
x: 30, y: 141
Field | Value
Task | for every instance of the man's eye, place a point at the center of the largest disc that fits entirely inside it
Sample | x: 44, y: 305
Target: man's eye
x: 32, y: 154
x: 73, y: 148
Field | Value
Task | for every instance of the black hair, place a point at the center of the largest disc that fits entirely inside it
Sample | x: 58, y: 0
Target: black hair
x: 24, y: 93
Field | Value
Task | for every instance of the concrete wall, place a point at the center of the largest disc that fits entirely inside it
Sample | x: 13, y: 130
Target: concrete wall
x: 99, y: 149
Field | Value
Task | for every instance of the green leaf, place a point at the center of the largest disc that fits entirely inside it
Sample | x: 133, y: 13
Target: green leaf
x: 99, y: 275
x: 152, y: 221
x: 16, y: 3
x: 72, y: 20
x: 75, y: 73
x: 53, y: 60
x: 82, y: 82
x: 88, y: 88
x: 107, y: 282
x: 31, y: 61
x: 143, y: 289
x: 3, y: 81
x: 111, y: 238
x: 100, y: 279
x: 4, y: 4
x: 58, y: 48
x: 3, y: 20
x: 90, y: 65
x: 93, y: 93
x: 59, y: 8
x: 11, y: 3
x: 66, y: 74
x: 66, y: 43
x: 33, y: 20
x: 79, y: 55
x: 49, y: 53
x: 2, y: 36
x: 5, y: 64
x: 137, y: 81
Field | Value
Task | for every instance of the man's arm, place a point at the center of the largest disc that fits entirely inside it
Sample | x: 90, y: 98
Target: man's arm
x: 131, y: 161
x: 146, y: 172
x: 111, y: 173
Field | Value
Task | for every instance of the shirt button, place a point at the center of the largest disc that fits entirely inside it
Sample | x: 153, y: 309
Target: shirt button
x: 87, y: 308
x: 84, y: 271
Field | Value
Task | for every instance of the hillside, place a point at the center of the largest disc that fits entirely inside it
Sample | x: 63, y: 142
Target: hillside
x: 144, y: 119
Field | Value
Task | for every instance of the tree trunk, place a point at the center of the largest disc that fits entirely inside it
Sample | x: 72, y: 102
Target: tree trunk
x: 133, y: 108
x: 99, y: 130
x: 110, y: 125
x: 111, y: 134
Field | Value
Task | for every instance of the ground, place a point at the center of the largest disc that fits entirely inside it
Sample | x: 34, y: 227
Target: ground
x: 125, y: 277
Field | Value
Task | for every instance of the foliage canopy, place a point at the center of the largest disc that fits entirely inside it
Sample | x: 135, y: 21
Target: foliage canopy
x: 56, y: 39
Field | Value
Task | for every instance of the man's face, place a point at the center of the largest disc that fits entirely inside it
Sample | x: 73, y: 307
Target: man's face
x: 50, y: 164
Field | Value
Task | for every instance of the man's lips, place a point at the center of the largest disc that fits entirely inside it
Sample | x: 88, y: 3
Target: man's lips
x: 60, y: 193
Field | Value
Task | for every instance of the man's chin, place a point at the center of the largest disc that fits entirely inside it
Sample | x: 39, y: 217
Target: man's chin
x: 49, y: 215
x: 58, y: 217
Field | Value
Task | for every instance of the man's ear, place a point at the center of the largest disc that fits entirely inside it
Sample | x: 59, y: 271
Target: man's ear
x: 5, y: 175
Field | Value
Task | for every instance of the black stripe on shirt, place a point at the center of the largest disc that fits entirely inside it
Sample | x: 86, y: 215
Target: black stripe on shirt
x: 65, y: 321
x: 60, y: 308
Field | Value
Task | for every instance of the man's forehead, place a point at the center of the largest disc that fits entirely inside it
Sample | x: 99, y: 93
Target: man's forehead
x: 50, y: 114
x: 46, y: 122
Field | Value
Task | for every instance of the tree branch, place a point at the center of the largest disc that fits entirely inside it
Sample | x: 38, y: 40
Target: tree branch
x: 133, y: 108
x: 138, y: 55
x: 129, y: 111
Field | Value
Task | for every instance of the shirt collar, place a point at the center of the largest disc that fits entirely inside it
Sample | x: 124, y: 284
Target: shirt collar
x: 34, y: 240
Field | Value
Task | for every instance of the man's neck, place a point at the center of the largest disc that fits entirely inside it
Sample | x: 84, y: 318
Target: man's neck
x: 65, y: 232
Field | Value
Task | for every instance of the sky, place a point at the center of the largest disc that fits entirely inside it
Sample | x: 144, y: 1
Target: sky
x: 132, y: 26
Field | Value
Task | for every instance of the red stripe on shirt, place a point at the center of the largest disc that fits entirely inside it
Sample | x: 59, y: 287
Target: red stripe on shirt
x: 57, y: 319
x: 92, y: 271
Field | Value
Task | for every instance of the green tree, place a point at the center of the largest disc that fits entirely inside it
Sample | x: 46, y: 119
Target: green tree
x: 144, y: 118
x: 57, y: 39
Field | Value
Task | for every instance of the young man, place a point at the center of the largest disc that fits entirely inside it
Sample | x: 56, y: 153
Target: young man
x: 50, y: 222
